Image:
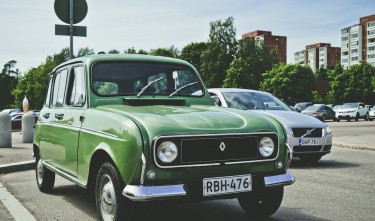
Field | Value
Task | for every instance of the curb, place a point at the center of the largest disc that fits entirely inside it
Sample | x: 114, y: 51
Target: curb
x: 17, y: 167
x: 354, y: 146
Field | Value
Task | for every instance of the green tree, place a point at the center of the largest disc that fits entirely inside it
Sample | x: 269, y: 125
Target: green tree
x: 355, y: 84
x: 192, y: 53
x: 7, y: 84
x: 34, y: 83
x: 85, y: 51
x: 166, y: 52
x: 113, y: 51
x: 253, y: 59
x: 9, y: 69
x: 292, y: 83
x: 219, y: 53
x: 133, y: 51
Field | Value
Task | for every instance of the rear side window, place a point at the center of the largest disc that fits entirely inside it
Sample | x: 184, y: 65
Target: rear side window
x: 59, y: 88
x: 77, y: 89
x: 48, y: 96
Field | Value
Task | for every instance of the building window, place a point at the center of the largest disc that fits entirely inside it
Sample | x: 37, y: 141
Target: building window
x: 355, y: 51
x: 372, y: 63
x: 354, y: 58
x: 344, y: 38
x: 345, y: 53
x: 371, y: 48
x: 372, y: 40
x: 372, y: 32
x: 354, y: 43
x: 371, y: 24
x: 344, y: 31
x: 345, y: 60
x: 371, y: 56
x: 355, y: 35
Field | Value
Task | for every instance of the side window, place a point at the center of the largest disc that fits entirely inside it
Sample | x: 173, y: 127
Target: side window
x: 59, y: 88
x: 48, y: 96
x: 77, y: 88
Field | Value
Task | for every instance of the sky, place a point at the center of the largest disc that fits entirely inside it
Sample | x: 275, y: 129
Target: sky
x: 27, y: 32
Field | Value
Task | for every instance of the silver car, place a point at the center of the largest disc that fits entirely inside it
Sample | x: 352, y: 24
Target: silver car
x: 309, y: 137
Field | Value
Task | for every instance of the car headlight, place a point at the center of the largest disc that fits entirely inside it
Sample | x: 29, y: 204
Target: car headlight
x: 328, y: 130
x: 266, y: 147
x: 167, y: 152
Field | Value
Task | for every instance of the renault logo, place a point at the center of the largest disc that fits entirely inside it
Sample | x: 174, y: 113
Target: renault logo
x: 222, y: 146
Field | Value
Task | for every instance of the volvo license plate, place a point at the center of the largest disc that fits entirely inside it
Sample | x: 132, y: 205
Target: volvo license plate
x: 227, y: 185
x: 308, y: 141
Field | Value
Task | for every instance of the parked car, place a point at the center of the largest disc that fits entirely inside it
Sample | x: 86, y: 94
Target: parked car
x: 353, y: 110
x: 322, y: 112
x: 310, y: 138
x: 302, y: 106
x: 16, y: 121
x: 336, y: 107
x: 12, y: 111
x: 141, y: 128
x: 372, y: 113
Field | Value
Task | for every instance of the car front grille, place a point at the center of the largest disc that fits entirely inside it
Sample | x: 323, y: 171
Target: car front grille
x: 314, y: 132
x: 201, y: 150
x: 299, y: 149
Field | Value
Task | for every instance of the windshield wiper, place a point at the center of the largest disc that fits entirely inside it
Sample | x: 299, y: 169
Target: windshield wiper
x: 183, y: 87
x: 148, y: 85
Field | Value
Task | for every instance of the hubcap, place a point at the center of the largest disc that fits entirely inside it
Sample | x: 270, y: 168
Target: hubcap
x: 107, y: 199
x: 39, y: 171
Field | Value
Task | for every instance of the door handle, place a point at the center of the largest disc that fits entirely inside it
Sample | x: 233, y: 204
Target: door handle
x: 46, y: 115
x: 59, y: 116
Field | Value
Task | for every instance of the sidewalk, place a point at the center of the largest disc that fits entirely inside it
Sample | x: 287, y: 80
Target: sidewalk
x: 20, y: 156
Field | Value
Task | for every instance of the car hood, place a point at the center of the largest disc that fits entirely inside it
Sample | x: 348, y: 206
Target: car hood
x: 293, y: 119
x: 346, y: 109
x: 163, y: 119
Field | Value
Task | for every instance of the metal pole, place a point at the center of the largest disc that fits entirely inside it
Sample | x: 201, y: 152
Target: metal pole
x: 71, y: 30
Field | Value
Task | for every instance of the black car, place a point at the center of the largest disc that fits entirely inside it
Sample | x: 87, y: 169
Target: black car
x: 322, y: 112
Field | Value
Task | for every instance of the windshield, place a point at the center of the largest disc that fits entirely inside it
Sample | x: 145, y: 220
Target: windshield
x: 144, y: 78
x: 350, y: 105
x: 254, y: 101
x: 312, y: 108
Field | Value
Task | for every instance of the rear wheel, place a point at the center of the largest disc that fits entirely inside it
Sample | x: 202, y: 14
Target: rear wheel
x: 367, y: 117
x: 44, y: 177
x: 310, y: 159
x: 262, y: 204
x: 357, y: 117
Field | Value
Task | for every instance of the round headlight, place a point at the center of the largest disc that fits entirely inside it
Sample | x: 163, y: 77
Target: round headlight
x: 328, y: 130
x: 266, y: 147
x: 167, y: 152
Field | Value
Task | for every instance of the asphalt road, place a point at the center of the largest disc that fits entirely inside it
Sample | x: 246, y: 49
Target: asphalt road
x: 339, y: 187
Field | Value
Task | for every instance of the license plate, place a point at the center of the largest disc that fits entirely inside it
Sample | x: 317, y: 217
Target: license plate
x: 308, y: 141
x: 226, y: 185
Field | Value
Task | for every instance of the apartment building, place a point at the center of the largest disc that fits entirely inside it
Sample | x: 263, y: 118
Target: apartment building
x: 276, y: 43
x: 358, y: 42
x: 318, y: 55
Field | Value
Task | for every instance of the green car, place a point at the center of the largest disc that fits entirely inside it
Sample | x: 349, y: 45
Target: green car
x: 140, y: 128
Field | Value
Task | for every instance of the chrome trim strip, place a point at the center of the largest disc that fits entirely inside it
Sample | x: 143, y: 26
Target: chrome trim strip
x: 290, y: 156
x: 145, y: 193
x: 212, y: 135
x: 279, y: 180
x: 143, y: 158
x: 64, y: 174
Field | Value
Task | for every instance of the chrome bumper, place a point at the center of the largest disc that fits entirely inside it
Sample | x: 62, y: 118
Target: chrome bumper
x: 147, y: 193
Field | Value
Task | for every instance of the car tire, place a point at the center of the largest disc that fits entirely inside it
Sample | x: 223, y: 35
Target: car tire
x: 356, y: 117
x: 310, y: 158
x: 110, y: 203
x: 348, y: 119
x: 371, y: 119
x: 45, y: 178
x: 323, y: 118
x: 261, y: 203
x: 367, y: 117
x: 338, y: 119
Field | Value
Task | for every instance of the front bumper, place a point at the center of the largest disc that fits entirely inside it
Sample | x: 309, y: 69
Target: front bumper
x: 324, y: 146
x: 148, y: 193
x: 346, y: 115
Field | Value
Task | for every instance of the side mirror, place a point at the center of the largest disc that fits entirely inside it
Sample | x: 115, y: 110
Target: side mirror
x: 216, y: 101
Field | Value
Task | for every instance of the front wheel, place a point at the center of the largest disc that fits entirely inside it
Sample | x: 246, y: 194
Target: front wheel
x: 110, y: 203
x: 367, y: 117
x: 44, y: 177
x: 262, y: 204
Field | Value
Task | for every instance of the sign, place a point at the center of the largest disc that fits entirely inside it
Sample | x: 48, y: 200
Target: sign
x: 62, y: 10
x: 80, y: 31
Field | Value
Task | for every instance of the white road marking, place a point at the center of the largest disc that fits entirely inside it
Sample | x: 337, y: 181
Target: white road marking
x: 15, y: 208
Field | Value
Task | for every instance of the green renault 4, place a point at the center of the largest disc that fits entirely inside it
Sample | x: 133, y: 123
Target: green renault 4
x: 135, y: 128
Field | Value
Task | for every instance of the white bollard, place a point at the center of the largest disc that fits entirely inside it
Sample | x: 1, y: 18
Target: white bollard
x: 5, y: 130
x: 28, y: 121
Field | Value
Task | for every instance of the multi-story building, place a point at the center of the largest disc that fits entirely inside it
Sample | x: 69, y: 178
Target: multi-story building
x: 276, y: 43
x: 318, y: 55
x: 358, y: 42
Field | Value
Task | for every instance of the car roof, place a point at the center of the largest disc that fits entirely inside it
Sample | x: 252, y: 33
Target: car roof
x: 235, y: 90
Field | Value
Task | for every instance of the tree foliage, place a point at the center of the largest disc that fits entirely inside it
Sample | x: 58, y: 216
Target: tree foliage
x: 253, y: 59
x: 355, y: 84
x: 85, y: 51
x: 166, y: 52
x: 192, y: 53
x: 292, y: 83
x: 219, y: 53
x: 34, y: 83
